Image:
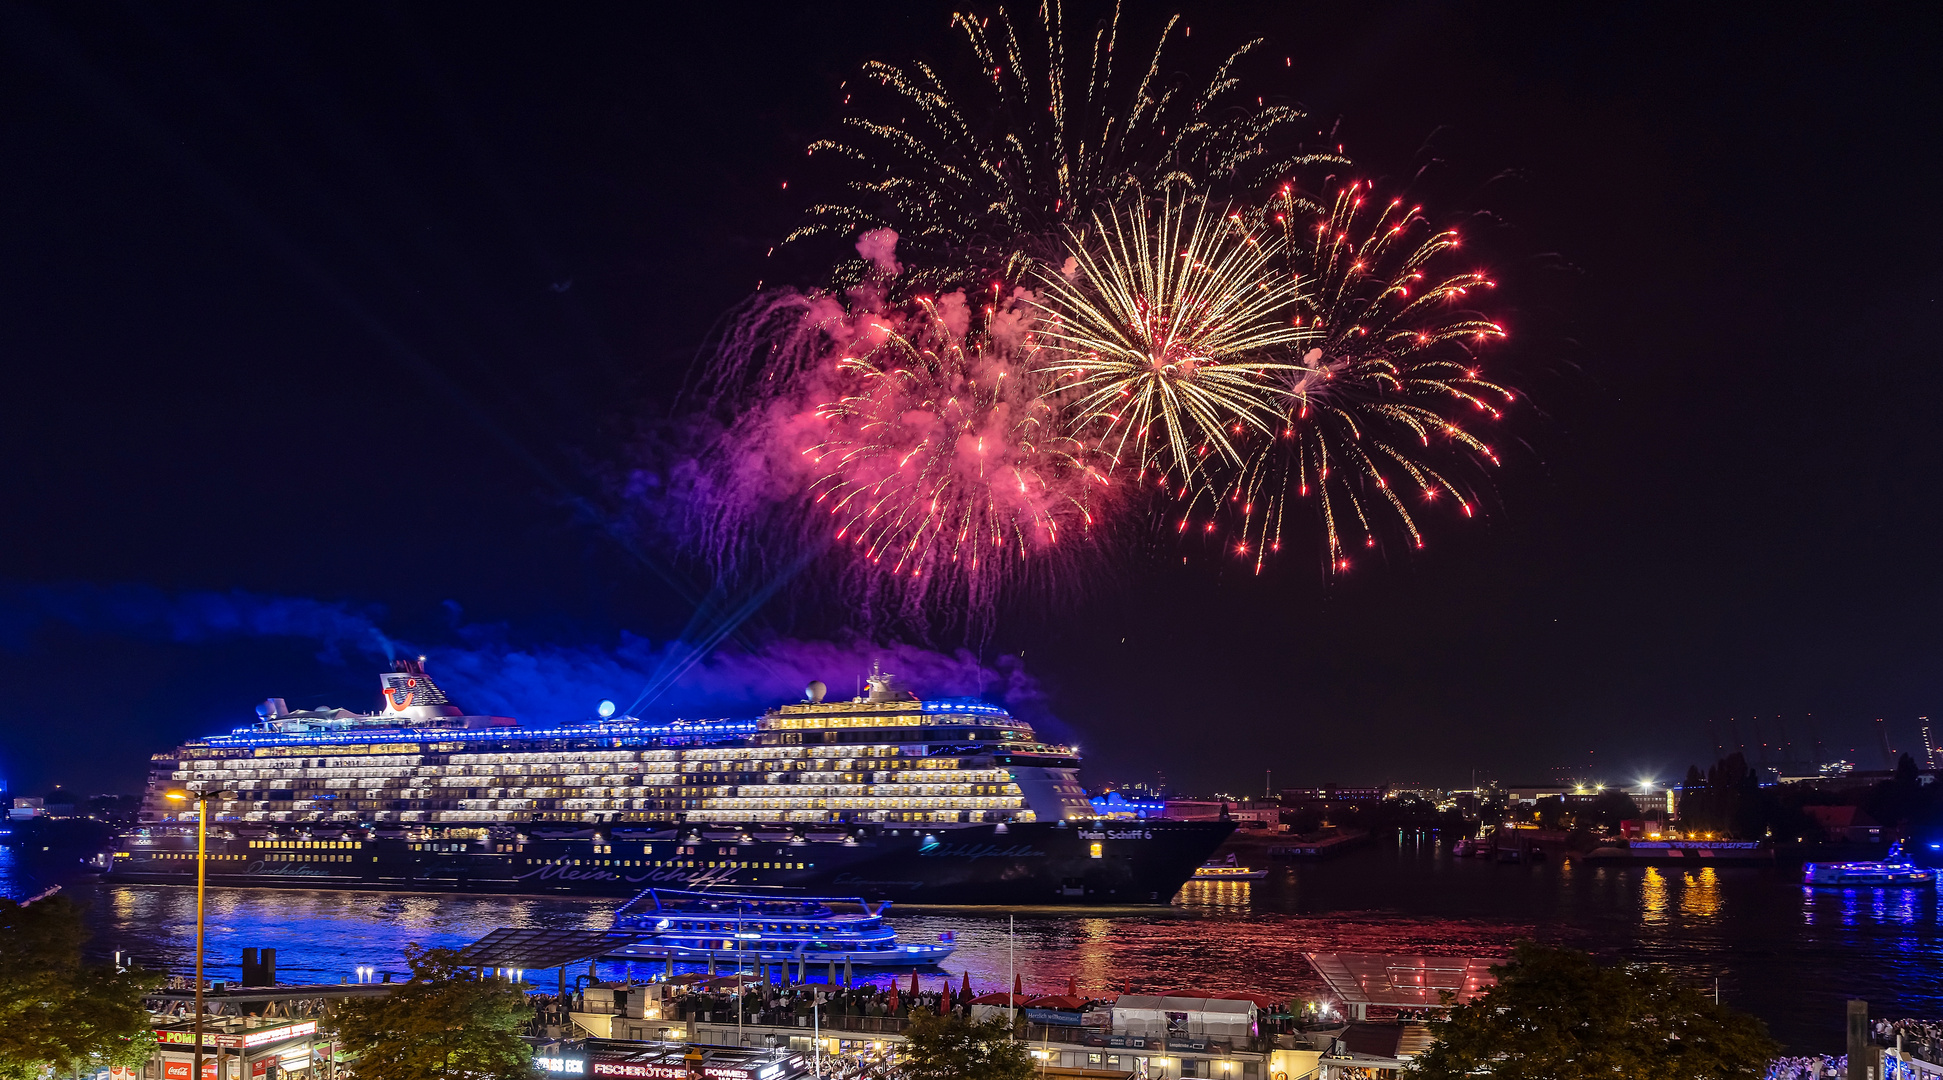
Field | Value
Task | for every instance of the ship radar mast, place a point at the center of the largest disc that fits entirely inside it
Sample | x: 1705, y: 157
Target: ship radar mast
x: 883, y: 685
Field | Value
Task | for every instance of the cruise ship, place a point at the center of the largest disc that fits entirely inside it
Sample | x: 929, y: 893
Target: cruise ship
x: 883, y: 796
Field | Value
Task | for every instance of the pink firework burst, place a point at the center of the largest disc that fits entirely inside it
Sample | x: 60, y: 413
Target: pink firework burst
x: 945, y: 464
x: 921, y: 444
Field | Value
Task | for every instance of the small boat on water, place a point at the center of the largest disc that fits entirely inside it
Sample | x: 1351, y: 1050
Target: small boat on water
x: 724, y: 928
x: 1893, y: 872
x: 1226, y: 870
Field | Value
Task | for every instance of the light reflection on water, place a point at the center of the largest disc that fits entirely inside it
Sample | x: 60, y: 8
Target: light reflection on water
x: 1791, y: 955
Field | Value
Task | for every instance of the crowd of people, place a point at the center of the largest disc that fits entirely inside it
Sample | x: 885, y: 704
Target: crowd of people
x: 1920, y: 1038
x: 1815, y: 1067
x: 793, y: 1006
x: 550, y: 1017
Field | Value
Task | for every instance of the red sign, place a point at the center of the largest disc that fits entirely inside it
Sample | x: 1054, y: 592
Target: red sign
x: 179, y: 1070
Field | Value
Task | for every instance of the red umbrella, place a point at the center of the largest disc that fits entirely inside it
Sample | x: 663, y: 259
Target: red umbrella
x: 914, y: 984
x: 891, y: 1006
x: 946, y: 1007
x: 1072, y: 987
x: 966, y: 992
x: 1018, y: 988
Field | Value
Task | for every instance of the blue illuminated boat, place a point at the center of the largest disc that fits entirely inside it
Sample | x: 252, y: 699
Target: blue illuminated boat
x: 697, y: 927
x: 1893, y: 872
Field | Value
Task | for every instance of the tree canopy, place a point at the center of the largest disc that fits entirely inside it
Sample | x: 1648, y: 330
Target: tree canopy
x: 447, y: 1023
x: 56, y: 1012
x: 953, y: 1048
x: 1558, y: 1014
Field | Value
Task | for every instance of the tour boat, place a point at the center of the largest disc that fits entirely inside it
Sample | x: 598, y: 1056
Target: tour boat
x: 1893, y: 872
x: 1226, y: 870
x: 725, y: 928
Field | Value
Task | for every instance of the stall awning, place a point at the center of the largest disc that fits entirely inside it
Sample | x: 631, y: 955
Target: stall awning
x: 516, y: 947
x: 1403, y: 981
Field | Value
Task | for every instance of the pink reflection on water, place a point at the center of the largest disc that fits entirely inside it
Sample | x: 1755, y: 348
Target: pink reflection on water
x: 1211, y: 940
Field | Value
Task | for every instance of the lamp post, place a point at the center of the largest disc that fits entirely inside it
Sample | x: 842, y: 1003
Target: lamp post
x: 201, y: 799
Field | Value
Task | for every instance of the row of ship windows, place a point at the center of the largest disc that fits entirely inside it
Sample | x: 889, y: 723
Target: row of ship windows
x: 473, y: 773
x: 673, y: 864
x: 394, y: 772
x: 551, y: 784
x: 596, y: 759
x: 767, y: 800
x: 190, y: 855
x: 819, y: 723
x: 813, y: 784
x: 307, y: 843
x: 308, y: 857
x: 865, y: 803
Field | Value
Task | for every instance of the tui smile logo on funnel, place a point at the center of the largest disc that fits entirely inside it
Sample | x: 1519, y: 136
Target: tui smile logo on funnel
x: 400, y: 697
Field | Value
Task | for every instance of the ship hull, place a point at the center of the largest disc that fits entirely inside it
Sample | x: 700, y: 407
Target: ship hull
x: 1104, y: 862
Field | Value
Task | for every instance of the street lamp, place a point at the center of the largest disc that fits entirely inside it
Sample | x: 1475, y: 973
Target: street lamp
x: 202, y: 847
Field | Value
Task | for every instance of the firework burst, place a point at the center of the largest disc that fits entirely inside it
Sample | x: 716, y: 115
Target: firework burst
x: 982, y: 177
x: 1391, y: 383
x: 1172, y: 332
x: 945, y: 463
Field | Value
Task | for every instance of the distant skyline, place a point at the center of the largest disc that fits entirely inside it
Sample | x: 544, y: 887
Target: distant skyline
x: 362, y: 308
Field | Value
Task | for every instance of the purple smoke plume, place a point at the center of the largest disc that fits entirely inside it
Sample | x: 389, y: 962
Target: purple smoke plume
x: 542, y: 684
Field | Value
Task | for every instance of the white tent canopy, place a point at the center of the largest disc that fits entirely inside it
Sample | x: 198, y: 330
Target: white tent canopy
x: 1192, y: 1017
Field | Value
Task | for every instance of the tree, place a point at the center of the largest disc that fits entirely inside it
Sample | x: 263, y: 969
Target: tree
x: 57, y: 1013
x: 1609, y: 809
x: 447, y: 1023
x: 1557, y: 1014
x: 953, y: 1048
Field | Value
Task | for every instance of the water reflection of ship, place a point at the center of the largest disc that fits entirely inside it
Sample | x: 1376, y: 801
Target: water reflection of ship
x: 884, y: 796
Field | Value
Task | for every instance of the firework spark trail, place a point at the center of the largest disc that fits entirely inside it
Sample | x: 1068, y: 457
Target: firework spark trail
x: 1172, y: 331
x: 1097, y: 330
x: 946, y: 461
x: 1392, y: 382
x: 1056, y: 139
x: 919, y: 438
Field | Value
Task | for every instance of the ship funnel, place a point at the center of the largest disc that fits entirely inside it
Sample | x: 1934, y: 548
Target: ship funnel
x: 271, y: 709
x: 409, y: 692
x: 814, y: 692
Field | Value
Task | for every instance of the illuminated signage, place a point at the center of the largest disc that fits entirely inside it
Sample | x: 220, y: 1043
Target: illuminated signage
x: 634, y: 1071
x: 270, y: 1035
x: 562, y: 1066
x: 209, y: 1038
x: 245, y: 1040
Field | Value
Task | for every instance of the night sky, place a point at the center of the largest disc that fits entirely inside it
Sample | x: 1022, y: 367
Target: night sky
x: 349, y: 309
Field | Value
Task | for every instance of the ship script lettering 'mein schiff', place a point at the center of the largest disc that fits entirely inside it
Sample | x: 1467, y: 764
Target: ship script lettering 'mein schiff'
x: 950, y: 801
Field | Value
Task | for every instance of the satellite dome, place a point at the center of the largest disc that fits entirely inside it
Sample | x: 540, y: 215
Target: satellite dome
x: 606, y: 709
x: 815, y: 690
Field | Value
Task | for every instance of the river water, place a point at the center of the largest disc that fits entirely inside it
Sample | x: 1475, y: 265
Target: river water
x: 1789, y: 954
